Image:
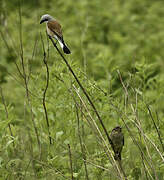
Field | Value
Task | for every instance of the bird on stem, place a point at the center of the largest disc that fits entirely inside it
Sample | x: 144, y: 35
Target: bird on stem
x: 54, y: 30
x: 117, y: 139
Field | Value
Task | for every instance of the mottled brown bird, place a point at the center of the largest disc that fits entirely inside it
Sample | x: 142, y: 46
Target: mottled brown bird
x: 117, y: 139
x: 54, y: 30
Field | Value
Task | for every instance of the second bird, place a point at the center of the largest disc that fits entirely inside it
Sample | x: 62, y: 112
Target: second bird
x: 117, y: 138
x: 54, y: 30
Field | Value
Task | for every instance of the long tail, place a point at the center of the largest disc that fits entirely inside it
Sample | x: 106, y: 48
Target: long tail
x: 64, y: 47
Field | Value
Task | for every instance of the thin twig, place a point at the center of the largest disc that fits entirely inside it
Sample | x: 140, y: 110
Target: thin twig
x: 125, y: 89
x: 144, y: 166
x: 70, y: 160
x: 45, y: 91
x: 126, y: 92
x: 98, y: 166
x: 31, y: 152
x: 122, y: 170
x: 81, y: 143
x: 25, y: 77
x: 135, y: 110
x: 9, y: 50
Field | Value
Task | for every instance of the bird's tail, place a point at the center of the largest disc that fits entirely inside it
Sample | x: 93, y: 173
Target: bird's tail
x: 66, y: 50
x: 64, y: 47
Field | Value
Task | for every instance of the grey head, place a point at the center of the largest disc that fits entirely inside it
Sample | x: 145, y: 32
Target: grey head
x: 45, y: 18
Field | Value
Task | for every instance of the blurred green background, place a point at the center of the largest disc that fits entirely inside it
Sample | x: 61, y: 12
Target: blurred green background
x: 104, y: 37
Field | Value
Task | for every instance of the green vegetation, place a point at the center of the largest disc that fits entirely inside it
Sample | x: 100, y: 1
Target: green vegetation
x: 118, y: 56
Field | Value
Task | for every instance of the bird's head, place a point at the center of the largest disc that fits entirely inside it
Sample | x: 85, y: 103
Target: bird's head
x: 45, y: 17
x: 117, y: 129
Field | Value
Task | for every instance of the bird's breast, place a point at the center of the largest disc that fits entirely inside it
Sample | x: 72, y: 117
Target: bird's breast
x: 49, y: 32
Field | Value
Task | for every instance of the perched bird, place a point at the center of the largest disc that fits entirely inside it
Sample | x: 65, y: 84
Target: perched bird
x: 117, y: 139
x: 54, y: 30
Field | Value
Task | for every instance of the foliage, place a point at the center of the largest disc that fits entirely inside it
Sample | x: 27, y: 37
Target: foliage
x: 117, y: 54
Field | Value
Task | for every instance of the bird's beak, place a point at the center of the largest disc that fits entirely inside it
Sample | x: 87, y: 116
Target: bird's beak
x: 41, y: 21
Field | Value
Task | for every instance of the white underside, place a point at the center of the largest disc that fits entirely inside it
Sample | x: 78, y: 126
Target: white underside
x: 61, y: 44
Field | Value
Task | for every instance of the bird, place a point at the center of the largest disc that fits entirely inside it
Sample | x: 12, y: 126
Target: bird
x: 117, y: 138
x: 54, y: 30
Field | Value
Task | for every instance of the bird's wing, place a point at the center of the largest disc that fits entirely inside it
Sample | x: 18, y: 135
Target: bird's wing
x: 55, y: 27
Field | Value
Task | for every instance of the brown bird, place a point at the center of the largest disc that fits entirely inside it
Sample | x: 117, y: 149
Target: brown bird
x: 54, y: 30
x: 117, y: 139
